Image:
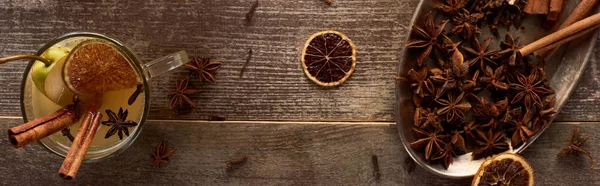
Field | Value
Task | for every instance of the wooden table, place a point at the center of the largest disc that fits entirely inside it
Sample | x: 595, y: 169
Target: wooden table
x: 293, y: 132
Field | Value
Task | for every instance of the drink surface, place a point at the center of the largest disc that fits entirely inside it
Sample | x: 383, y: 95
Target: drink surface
x: 113, y: 100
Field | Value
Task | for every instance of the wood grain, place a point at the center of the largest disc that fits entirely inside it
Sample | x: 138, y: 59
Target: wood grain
x: 278, y: 154
x: 273, y: 87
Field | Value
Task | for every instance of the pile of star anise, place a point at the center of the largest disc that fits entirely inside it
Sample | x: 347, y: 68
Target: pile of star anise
x: 469, y: 96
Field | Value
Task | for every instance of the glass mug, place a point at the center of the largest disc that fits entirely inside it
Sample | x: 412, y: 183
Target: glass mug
x: 34, y: 104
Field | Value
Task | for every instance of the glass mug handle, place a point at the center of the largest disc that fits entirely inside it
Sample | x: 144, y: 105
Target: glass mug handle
x: 164, y: 64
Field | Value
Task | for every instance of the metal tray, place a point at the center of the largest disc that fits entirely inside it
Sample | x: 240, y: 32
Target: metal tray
x: 569, y: 61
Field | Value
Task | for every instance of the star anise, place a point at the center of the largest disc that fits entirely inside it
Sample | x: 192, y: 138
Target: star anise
x: 162, y: 154
x: 202, y: 68
x: 520, y: 130
x: 510, y: 51
x: 481, y: 55
x: 575, y: 146
x: 454, y: 107
x: 529, y: 89
x: 118, y: 123
x: 181, y: 94
x: 489, y: 143
x: 450, y: 7
x: 445, y: 154
x: 486, y: 111
x: 545, y: 114
x: 471, y: 129
x: 419, y: 82
x: 426, y: 38
x: 466, y: 24
x: 430, y: 139
x: 427, y: 117
x: 458, y: 141
x: 495, y: 78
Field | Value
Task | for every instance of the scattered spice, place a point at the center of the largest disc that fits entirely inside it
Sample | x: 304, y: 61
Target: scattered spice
x: 139, y: 89
x: 118, y: 123
x: 236, y: 161
x: 202, y: 68
x: 162, y: 154
x: 180, y: 95
x: 246, y: 63
x: 250, y: 13
x: 375, y: 162
x: 575, y: 144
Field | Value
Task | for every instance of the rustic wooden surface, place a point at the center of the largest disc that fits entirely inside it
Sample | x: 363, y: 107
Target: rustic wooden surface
x: 272, y: 109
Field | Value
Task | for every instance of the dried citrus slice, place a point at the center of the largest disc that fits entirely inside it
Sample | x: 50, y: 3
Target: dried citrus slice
x: 96, y: 66
x: 504, y: 169
x: 328, y: 58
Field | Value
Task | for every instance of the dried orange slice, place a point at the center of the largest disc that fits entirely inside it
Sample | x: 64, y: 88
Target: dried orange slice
x: 329, y: 58
x: 504, y: 169
x: 96, y: 66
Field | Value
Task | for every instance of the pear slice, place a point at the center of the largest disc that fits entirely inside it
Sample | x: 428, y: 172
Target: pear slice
x: 39, y: 70
x: 54, y: 86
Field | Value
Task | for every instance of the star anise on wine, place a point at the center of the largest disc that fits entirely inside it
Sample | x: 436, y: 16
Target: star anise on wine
x: 118, y: 123
x: 495, y: 78
x: 520, y: 130
x: 427, y: 118
x: 510, y: 51
x: 180, y: 95
x: 162, y: 154
x: 529, y: 89
x: 202, y: 68
x: 431, y: 139
x: 575, y: 146
x: 481, y: 55
x: 466, y: 24
x: 426, y: 38
x: 454, y: 107
x: 545, y: 114
x: 450, y: 7
x: 419, y: 82
x: 489, y: 143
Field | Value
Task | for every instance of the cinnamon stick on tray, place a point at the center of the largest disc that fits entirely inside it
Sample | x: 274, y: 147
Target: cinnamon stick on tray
x: 37, y: 129
x: 80, y: 145
x: 537, y: 7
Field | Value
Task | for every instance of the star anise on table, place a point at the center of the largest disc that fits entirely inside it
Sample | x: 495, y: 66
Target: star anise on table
x: 510, y: 51
x: 118, y: 123
x: 575, y: 146
x: 419, y: 82
x: 545, y: 114
x: 431, y: 139
x: 520, y: 130
x: 454, y: 107
x: 162, y: 154
x: 489, y: 143
x: 202, y: 68
x: 466, y: 24
x: 494, y: 79
x: 481, y: 55
x: 426, y: 38
x: 529, y: 89
x: 181, y: 94
x: 427, y: 118
x: 450, y: 7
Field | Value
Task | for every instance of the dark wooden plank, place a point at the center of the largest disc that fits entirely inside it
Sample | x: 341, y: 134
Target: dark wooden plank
x: 584, y: 103
x: 278, y: 154
x: 273, y: 87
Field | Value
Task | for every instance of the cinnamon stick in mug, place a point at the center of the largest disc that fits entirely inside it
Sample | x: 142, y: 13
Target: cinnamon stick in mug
x: 80, y: 145
x: 37, y: 129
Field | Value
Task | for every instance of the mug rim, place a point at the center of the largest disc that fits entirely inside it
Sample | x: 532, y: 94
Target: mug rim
x: 137, y: 65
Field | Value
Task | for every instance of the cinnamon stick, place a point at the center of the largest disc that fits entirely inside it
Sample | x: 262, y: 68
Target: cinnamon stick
x: 561, y: 34
x: 556, y: 7
x: 537, y: 7
x: 37, y: 129
x: 580, y: 12
x: 80, y: 145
